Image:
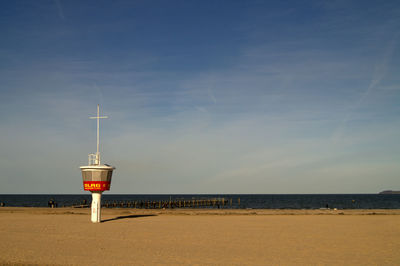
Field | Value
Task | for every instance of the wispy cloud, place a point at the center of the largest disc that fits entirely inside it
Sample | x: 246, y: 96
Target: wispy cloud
x: 248, y: 106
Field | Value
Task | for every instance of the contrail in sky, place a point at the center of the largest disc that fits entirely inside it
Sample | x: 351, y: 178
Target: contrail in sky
x: 379, y: 73
x: 60, y: 10
x: 211, y: 95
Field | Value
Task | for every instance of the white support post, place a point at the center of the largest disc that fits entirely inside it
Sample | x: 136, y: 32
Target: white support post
x: 96, y: 206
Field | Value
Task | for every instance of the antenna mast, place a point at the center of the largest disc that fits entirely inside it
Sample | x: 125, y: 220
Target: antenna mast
x: 97, y: 155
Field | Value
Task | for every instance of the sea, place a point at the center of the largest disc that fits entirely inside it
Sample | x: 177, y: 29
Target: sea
x: 235, y: 201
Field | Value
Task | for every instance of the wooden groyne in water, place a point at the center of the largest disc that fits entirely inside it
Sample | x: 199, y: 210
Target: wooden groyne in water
x: 171, y: 204
x: 207, y: 203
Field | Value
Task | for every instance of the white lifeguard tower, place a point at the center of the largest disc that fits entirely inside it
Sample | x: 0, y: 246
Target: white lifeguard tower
x: 96, y: 176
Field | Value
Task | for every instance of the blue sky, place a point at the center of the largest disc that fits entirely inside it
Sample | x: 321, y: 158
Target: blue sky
x: 203, y: 96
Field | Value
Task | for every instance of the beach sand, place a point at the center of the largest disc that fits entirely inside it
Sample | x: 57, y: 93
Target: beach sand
x: 66, y: 236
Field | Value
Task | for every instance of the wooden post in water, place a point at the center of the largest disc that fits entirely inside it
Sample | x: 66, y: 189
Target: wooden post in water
x: 239, y: 202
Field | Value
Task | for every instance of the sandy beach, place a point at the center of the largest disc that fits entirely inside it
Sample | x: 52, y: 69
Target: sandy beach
x: 65, y: 236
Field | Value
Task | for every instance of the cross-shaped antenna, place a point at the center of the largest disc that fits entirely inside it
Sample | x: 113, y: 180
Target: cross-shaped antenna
x: 98, y: 137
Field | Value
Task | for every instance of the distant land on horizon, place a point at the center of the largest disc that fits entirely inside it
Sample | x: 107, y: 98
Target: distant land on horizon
x: 390, y: 192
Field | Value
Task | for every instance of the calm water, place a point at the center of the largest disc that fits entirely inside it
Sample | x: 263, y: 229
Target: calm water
x: 255, y: 201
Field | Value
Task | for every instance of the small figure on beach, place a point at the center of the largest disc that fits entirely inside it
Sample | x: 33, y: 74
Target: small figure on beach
x: 52, y: 203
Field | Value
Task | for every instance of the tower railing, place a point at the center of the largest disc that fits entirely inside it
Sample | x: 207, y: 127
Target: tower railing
x: 94, y: 159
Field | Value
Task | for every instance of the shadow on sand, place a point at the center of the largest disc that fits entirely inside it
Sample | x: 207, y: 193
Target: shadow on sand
x: 127, y: 217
